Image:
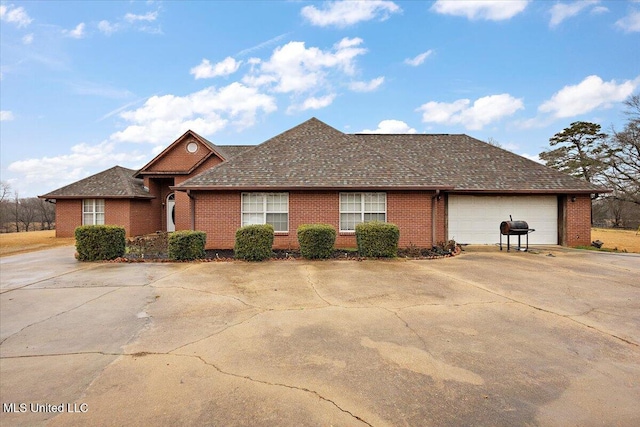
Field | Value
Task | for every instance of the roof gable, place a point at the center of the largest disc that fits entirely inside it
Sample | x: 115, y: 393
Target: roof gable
x: 116, y: 182
x: 311, y: 155
x: 182, y: 156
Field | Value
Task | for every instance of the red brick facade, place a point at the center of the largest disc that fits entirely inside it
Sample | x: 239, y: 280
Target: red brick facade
x: 575, y: 219
x: 420, y: 215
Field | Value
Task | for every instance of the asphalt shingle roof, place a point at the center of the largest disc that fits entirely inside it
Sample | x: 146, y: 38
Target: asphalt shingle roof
x: 311, y: 155
x: 315, y: 155
x: 117, y: 182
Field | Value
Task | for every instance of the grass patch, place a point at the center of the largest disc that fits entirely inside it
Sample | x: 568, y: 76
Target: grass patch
x: 603, y: 249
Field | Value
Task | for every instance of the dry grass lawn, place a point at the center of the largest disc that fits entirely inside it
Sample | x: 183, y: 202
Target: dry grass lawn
x: 17, y: 243
x: 614, y: 238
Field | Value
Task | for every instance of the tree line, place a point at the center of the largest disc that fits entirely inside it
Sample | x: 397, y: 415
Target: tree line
x: 24, y: 214
x: 611, y: 160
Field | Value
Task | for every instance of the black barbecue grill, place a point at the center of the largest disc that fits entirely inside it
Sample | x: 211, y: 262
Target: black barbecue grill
x: 514, y: 228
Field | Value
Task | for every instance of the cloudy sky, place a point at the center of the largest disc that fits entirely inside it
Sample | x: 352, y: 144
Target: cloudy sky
x: 88, y: 85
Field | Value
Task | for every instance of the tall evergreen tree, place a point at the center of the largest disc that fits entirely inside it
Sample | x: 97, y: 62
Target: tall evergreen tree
x: 578, y: 152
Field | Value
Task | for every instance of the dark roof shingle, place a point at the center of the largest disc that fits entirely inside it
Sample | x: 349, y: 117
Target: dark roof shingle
x: 117, y: 182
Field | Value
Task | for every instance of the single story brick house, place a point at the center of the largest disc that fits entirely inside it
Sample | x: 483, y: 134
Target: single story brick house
x: 434, y: 187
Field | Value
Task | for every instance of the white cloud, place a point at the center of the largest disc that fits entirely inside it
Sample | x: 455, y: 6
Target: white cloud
x: 15, y: 15
x: 223, y: 68
x: 589, y: 94
x: 313, y: 103
x: 27, y: 39
x: 419, y: 59
x: 490, y: 10
x: 630, y: 23
x: 474, y: 116
x: 296, y: 68
x: 369, y: 86
x: 107, y: 27
x: 345, y: 13
x: 206, y: 112
x: 66, y: 168
x: 6, y: 116
x: 77, y: 32
x: 562, y: 11
x: 391, y: 126
x: 147, y: 17
x: 599, y: 9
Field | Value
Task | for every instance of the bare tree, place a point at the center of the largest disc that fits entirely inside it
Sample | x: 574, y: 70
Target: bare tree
x: 5, y: 204
x: 622, y: 152
x: 47, y: 213
x: 28, y: 212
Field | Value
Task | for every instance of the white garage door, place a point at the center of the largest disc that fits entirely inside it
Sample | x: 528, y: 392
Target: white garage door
x: 476, y: 219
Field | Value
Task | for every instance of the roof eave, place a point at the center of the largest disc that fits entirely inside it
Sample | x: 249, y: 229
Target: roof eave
x: 311, y: 188
x: 532, y: 191
x: 93, y: 196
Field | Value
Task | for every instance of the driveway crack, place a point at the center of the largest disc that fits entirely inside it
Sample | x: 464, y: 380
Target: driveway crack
x: 292, y: 387
x: 58, y: 314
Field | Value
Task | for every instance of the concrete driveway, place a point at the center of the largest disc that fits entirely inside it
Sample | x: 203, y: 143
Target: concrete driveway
x: 486, y: 338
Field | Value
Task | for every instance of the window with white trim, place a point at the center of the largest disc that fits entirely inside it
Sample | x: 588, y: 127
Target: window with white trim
x: 361, y: 207
x: 266, y: 208
x: 93, y: 212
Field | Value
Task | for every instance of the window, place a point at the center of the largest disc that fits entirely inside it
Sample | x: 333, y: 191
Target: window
x: 266, y: 208
x: 93, y: 212
x: 361, y: 207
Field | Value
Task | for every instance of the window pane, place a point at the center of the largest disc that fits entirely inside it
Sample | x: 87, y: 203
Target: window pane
x: 252, y: 218
x: 348, y: 221
x: 374, y: 217
x: 252, y: 202
x: 277, y: 202
x: 87, y: 219
x: 280, y: 221
x: 350, y: 202
x: 99, y: 205
x: 87, y: 205
x: 374, y: 202
x: 99, y: 219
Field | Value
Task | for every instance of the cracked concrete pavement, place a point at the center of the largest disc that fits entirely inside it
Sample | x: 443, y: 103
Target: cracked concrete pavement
x: 485, y: 338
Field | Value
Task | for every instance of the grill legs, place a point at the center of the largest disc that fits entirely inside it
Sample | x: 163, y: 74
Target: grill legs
x: 519, y: 242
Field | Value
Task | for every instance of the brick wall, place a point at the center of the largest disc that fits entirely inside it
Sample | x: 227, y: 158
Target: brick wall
x: 68, y: 217
x: 219, y: 215
x: 577, y: 227
x: 178, y: 158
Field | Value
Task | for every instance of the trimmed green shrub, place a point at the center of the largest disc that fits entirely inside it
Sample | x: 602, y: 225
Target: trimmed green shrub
x: 254, y: 242
x: 187, y: 245
x: 99, y: 242
x: 377, y: 239
x: 316, y: 240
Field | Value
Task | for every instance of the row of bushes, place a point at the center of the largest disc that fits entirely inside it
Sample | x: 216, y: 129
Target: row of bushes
x: 374, y: 239
x: 252, y: 243
x: 105, y: 242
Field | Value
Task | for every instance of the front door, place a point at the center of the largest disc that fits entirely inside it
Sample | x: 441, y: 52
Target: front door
x: 171, y: 212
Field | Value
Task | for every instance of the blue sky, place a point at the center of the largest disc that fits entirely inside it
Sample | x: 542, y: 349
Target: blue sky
x: 88, y: 85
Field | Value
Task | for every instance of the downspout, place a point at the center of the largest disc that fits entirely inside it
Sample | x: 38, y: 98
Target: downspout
x: 434, y: 206
x: 192, y: 209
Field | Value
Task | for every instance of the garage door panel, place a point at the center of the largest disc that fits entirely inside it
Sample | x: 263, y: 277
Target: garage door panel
x: 476, y: 219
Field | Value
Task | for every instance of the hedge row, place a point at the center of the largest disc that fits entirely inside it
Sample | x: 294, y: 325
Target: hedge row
x: 254, y: 242
x: 99, y: 242
x: 187, y: 245
x: 316, y: 240
x: 377, y: 239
